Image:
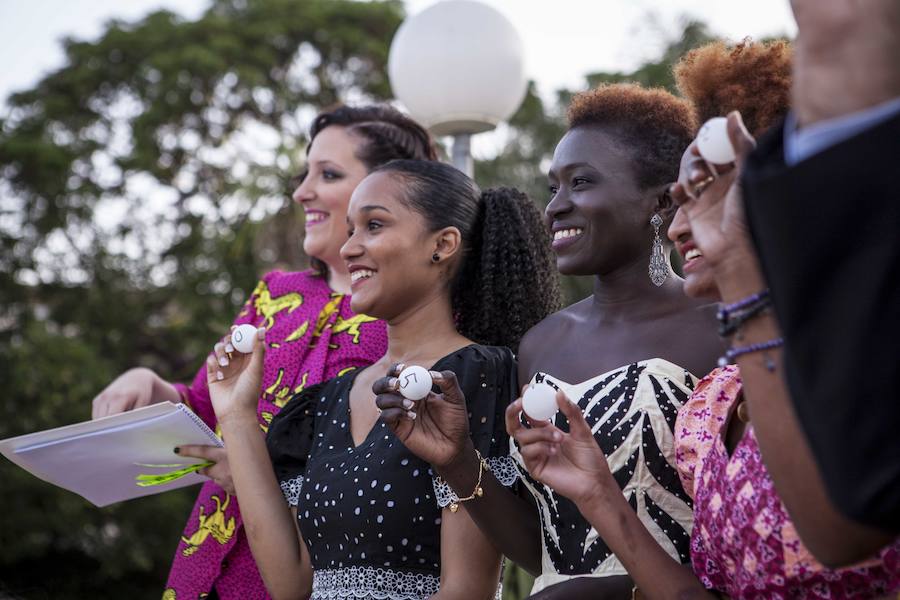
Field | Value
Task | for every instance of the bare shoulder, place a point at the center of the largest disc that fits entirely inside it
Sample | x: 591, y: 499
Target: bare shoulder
x: 546, y: 336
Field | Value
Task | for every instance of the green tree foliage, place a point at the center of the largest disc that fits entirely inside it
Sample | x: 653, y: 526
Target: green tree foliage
x: 141, y: 196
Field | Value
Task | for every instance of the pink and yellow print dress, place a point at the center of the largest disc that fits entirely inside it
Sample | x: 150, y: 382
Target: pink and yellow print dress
x: 744, y: 543
x: 312, y: 336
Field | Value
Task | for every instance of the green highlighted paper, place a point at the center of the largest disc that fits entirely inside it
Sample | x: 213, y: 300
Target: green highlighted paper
x: 144, y: 480
x: 117, y: 458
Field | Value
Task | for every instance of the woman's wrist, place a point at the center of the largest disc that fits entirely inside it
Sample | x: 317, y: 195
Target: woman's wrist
x: 163, y: 391
x: 238, y: 418
x: 600, y: 493
x: 462, y: 470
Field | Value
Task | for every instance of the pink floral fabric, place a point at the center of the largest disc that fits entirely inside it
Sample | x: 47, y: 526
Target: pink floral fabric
x: 312, y: 336
x: 743, y: 543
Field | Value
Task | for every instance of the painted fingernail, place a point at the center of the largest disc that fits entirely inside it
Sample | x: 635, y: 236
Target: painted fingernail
x: 411, y: 414
x: 229, y: 347
x: 407, y: 404
x: 223, y: 361
x: 177, y: 450
x: 392, y: 383
x: 220, y: 375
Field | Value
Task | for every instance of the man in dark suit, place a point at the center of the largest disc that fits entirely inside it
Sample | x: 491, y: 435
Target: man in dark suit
x: 822, y: 201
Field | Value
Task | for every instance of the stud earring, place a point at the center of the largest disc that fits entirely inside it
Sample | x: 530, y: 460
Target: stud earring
x: 659, y: 268
x: 435, y: 258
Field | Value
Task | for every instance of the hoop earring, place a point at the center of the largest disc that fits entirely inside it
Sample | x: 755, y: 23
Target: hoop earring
x: 659, y: 268
x: 435, y: 258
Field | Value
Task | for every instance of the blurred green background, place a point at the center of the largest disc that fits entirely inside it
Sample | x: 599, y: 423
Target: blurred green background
x: 134, y: 222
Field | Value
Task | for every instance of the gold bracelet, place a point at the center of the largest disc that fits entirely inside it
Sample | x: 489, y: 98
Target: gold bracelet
x: 478, y: 492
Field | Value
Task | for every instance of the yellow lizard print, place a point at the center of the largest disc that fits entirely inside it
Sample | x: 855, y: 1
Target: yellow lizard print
x: 322, y: 321
x: 302, y: 385
x: 268, y: 306
x: 169, y: 594
x: 351, y: 325
x: 273, y: 390
x: 297, y: 334
x: 267, y: 417
x: 281, y: 394
x: 211, y: 525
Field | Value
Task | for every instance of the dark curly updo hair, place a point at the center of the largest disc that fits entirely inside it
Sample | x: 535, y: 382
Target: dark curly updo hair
x: 507, y: 281
x: 751, y: 77
x: 387, y: 134
x: 653, y: 124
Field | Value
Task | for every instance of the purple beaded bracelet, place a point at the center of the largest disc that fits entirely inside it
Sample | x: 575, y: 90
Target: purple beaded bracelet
x: 725, y: 311
x: 733, y: 353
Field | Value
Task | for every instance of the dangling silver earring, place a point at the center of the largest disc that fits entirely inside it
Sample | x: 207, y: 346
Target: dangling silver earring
x: 659, y: 268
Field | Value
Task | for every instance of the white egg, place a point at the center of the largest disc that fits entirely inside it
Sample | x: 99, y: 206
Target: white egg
x: 539, y: 401
x: 242, y: 338
x: 415, y: 382
x: 713, y: 142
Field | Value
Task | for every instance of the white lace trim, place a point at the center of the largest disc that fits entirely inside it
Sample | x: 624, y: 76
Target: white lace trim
x: 502, y: 467
x: 291, y: 490
x: 372, y: 582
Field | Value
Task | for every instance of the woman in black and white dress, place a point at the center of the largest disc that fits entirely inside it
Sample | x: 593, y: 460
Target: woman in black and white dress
x: 626, y: 354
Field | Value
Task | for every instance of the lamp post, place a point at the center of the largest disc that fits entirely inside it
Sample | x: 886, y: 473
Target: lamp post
x: 458, y: 67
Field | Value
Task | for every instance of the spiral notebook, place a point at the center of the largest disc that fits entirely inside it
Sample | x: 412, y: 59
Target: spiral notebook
x: 104, y: 460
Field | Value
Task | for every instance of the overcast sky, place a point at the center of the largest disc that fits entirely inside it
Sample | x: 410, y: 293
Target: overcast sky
x: 564, y: 39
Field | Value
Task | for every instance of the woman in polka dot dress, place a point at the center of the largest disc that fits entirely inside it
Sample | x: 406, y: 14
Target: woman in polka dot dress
x: 368, y: 518
x: 312, y: 335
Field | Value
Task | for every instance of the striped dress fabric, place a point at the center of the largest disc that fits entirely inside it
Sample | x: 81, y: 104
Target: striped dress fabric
x: 632, y: 412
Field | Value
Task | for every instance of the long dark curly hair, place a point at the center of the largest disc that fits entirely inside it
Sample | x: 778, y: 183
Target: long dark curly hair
x: 507, y: 281
x: 387, y: 134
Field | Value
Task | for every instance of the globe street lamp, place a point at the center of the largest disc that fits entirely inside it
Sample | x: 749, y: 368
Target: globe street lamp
x: 458, y: 68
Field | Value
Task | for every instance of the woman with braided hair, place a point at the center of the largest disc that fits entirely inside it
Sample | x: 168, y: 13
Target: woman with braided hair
x: 313, y: 334
x: 458, y: 275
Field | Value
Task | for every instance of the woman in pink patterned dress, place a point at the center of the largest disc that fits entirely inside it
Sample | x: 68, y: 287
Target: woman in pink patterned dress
x: 312, y: 336
x: 743, y: 543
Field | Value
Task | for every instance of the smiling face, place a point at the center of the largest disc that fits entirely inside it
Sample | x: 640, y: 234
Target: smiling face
x: 598, y: 215
x: 698, y: 276
x: 389, y: 250
x: 333, y: 173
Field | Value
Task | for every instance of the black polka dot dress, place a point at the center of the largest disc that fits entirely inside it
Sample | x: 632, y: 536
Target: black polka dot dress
x: 371, y: 514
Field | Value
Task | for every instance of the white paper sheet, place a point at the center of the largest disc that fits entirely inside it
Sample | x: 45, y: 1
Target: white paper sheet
x: 100, y: 460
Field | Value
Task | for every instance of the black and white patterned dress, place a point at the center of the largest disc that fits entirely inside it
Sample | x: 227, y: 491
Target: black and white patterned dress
x: 371, y: 514
x: 631, y: 411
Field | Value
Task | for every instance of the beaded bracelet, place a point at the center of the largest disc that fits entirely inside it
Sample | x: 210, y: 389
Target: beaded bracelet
x: 724, y: 311
x: 733, y: 353
x: 732, y: 317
